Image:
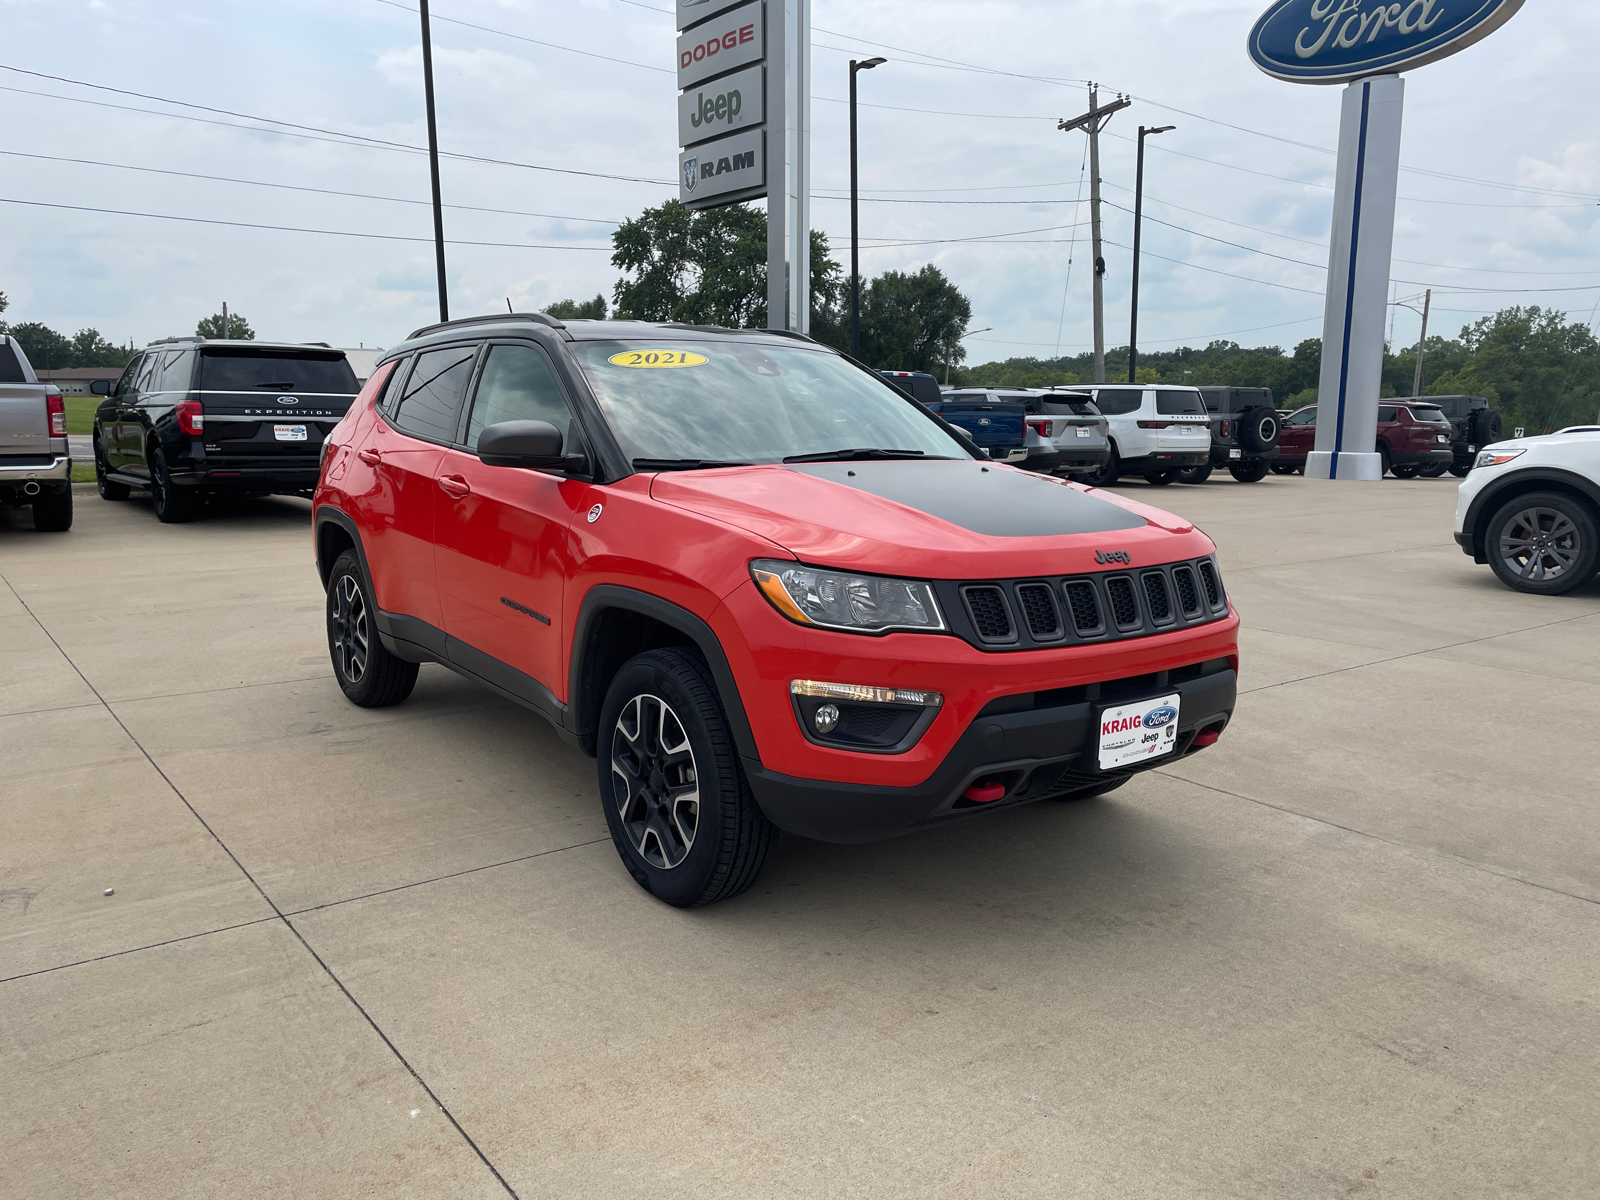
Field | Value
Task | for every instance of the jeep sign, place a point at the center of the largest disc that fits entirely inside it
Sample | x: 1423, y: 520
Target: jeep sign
x: 732, y: 168
x: 724, y: 43
x: 733, y: 102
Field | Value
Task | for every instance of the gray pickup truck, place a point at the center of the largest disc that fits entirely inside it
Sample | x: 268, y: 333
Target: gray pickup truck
x: 35, y: 464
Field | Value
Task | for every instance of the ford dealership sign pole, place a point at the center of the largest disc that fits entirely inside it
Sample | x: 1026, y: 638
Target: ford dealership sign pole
x: 1364, y: 44
x: 744, y: 122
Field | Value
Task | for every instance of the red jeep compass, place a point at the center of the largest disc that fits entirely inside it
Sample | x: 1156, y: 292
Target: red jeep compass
x: 763, y: 588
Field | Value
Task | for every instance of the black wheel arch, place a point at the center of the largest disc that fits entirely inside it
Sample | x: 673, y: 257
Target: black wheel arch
x: 335, y: 533
x: 1519, y: 483
x: 614, y: 624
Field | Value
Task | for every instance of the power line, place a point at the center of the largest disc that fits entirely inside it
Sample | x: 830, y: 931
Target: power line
x: 382, y: 237
x: 509, y: 212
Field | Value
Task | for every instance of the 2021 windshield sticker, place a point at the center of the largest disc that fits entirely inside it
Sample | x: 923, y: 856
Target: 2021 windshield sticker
x: 657, y: 358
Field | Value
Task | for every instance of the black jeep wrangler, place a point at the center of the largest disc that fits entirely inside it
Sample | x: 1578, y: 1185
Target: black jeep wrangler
x: 1244, y: 434
x: 1476, y: 425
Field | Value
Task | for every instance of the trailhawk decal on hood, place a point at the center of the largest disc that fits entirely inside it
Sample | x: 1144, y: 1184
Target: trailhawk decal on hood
x: 997, y: 502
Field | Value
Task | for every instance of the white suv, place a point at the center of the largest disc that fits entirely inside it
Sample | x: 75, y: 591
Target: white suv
x: 1156, y: 429
x: 1530, y: 509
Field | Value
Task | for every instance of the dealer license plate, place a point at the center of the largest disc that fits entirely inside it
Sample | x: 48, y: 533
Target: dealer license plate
x: 1136, y: 733
x: 289, y: 433
x: 1235, y: 453
x: 1084, y: 431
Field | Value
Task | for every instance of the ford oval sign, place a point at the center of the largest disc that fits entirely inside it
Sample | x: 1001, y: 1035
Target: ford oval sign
x: 1335, y: 41
x: 1157, y: 717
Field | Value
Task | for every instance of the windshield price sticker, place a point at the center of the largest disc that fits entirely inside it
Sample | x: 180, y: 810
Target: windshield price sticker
x: 1134, y: 733
x: 657, y: 358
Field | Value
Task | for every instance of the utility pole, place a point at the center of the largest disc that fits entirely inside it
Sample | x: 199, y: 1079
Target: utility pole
x: 224, y: 320
x: 433, y: 160
x: 1138, y: 224
x: 1422, y: 342
x: 1092, y: 122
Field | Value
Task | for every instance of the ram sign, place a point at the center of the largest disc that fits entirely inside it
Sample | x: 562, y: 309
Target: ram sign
x: 728, y: 169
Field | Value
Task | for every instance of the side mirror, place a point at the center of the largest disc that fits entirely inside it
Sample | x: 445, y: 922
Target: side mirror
x: 100, y: 387
x: 532, y: 444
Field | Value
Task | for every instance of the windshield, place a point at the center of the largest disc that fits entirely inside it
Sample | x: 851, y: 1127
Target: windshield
x: 720, y: 400
x: 1433, y: 416
x: 276, y: 371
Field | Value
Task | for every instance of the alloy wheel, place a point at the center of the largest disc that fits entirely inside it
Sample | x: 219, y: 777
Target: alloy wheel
x: 350, y: 636
x: 1540, y: 545
x: 655, y: 784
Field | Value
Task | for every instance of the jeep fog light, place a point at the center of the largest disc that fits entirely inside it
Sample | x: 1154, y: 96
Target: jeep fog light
x: 827, y: 718
x: 863, y: 694
x: 855, y: 603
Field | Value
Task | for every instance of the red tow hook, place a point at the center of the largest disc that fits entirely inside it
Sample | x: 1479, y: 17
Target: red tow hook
x: 982, y: 793
x: 1206, y: 737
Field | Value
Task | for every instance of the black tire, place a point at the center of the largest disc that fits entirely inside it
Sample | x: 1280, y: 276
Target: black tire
x: 675, y: 798
x: 1384, y: 461
x: 1486, y: 426
x: 1089, y: 793
x: 173, y: 505
x: 367, y: 673
x: 1259, y: 429
x: 52, y: 512
x: 1543, y: 543
x: 1195, y: 474
x: 1434, y: 470
x: 1160, y: 478
x: 1251, y: 470
x: 1460, y: 470
x: 1106, y: 474
x: 108, y: 490
x: 1283, y: 468
x: 1406, y: 471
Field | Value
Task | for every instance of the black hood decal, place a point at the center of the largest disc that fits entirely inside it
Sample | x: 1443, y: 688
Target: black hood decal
x: 996, y: 501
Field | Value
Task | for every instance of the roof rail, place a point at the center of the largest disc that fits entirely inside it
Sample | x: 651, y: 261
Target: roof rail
x: 164, y: 341
x: 488, y: 318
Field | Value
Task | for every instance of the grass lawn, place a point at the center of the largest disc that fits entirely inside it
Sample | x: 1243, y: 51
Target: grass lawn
x: 80, y: 413
x: 83, y: 472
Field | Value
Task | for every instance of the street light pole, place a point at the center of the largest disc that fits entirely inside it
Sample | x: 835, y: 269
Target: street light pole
x: 433, y: 160
x: 855, y: 239
x: 1138, y: 221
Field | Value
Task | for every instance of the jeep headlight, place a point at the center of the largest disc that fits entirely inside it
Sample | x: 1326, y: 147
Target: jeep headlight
x: 1493, y: 458
x: 840, y: 600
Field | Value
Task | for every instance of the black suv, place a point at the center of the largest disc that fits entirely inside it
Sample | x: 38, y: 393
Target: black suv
x: 192, y: 416
x: 1475, y: 425
x: 1244, y: 434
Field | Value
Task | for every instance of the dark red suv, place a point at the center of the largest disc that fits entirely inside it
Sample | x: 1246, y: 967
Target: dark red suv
x: 1413, y: 439
x: 760, y: 585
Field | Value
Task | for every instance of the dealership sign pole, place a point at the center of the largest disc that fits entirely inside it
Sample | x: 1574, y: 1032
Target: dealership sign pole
x: 1365, y: 46
x: 744, y: 125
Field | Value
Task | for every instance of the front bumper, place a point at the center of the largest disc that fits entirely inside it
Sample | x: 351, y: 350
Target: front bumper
x: 57, y: 470
x: 1033, y: 753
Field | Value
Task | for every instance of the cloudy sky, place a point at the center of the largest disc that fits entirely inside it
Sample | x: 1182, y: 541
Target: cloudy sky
x: 574, y: 99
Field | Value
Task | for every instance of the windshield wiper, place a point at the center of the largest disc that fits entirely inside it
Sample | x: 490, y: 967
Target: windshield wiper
x: 855, y: 453
x: 682, y: 464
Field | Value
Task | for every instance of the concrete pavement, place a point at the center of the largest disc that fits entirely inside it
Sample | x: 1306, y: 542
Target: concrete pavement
x: 1349, y: 951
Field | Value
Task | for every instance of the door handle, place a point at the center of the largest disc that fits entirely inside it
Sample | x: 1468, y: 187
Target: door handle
x: 454, y: 486
x: 371, y: 457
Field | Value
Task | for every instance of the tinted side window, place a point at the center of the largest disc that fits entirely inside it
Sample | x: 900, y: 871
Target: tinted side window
x: 517, y: 385
x: 129, y: 374
x: 10, y: 367
x: 1215, y: 399
x: 1172, y: 403
x: 176, y: 368
x: 143, y: 382
x: 1306, y: 416
x: 1385, y: 412
x: 432, y: 397
x: 1114, y: 401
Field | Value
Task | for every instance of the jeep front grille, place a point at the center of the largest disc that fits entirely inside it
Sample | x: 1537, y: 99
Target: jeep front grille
x: 1040, y: 613
x: 987, y: 606
x: 1039, y: 610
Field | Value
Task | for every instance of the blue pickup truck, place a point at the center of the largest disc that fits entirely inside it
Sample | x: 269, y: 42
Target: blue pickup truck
x: 1000, y: 429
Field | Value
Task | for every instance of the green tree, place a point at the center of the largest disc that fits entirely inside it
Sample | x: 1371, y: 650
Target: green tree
x: 4, y: 304
x: 708, y: 268
x: 238, y: 328
x: 46, y: 349
x: 913, y: 322
x: 575, y: 310
x: 90, y: 349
